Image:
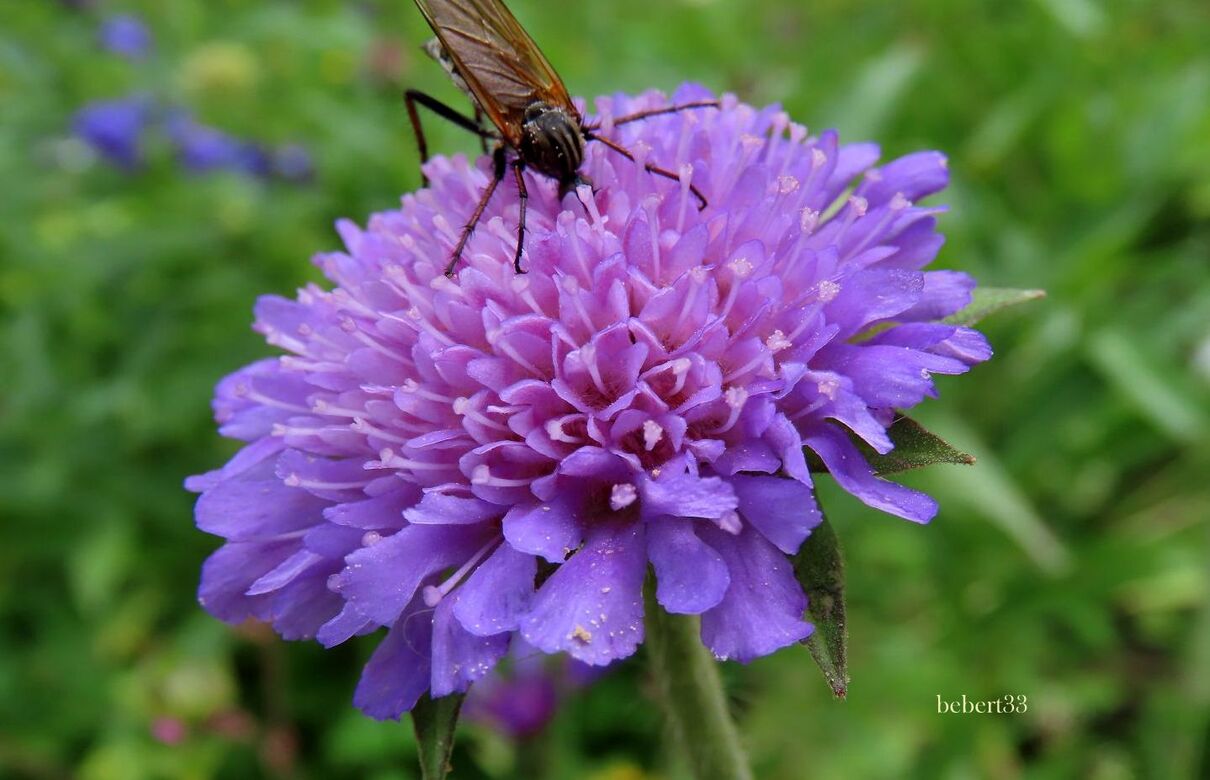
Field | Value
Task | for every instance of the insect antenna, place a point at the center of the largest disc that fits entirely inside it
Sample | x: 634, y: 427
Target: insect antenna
x: 649, y: 167
x: 626, y: 119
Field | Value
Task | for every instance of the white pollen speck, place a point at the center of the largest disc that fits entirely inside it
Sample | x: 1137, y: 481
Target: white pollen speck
x: 699, y: 274
x: 777, y: 341
x: 860, y: 205
x: 461, y: 404
x: 828, y: 387
x: 622, y: 496
x: 334, y: 582
x: 432, y: 596
x: 570, y: 284
x: 652, y: 432
x: 681, y: 366
x: 873, y: 174
x: 924, y: 373
x: 730, y: 523
x: 749, y: 141
x: 736, y: 397
x: 828, y: 290
x: 809, y: 220
x: 414, y: 313
x: 899, y: 202
x: 371, y: 538
x: 409, y: 386
x: 818, y: 158
x: 741, y: 267
x: 786, y: 185
x: 293, y: 480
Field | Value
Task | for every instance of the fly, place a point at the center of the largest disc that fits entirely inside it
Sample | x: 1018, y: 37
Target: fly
x: 534, y: 123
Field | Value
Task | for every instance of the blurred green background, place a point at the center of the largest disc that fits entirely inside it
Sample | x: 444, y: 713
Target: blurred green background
x: 1071, y: 565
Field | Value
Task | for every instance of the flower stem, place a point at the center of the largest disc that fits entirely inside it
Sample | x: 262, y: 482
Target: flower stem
x: 692, y: 695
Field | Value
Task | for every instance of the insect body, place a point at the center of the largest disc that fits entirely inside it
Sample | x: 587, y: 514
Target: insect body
x: 534, y: 123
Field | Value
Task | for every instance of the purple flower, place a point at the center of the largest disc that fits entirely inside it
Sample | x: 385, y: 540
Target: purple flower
x: 520, y: 700
x: 292, y: 162
x: 204, y: 149
x: 114, y: 128
x: 642, y: 396
x: 126, y: 36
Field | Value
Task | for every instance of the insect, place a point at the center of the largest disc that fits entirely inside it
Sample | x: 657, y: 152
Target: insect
x: 533, y: 122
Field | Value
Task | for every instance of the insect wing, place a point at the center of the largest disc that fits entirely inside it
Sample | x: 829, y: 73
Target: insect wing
x: 501, y: 65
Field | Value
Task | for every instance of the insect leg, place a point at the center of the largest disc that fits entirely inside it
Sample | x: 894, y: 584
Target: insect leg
x: 640, y: 115
x: 655, y: 169
x: 523, y: 197
x: 479, y: 117
x: 413, y: 98
x: 499, y: 166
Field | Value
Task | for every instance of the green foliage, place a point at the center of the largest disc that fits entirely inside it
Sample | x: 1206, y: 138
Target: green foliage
x: 434, y: 721
x: 989, y: 300
x: 819, y: 567
x: 1068, y: 565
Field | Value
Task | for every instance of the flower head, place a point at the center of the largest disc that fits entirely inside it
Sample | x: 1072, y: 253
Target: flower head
x: 465, y: 460
x: 126, y: 36
x: 204, y: 149
x: 114, y: 129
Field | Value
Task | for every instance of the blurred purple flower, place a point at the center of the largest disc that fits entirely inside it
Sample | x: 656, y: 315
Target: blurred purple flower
x: 292, y: 162
x: 126, y: 36
x: 204, y: 149
x: 520, y: 700
x: 642, y: 396
x: 114, y: 129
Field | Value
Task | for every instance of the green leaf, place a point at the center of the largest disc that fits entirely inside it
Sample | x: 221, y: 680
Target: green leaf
x: 435, y: 721
x: 819, y: 567
x: 989, y: 300
x: 915, y: 448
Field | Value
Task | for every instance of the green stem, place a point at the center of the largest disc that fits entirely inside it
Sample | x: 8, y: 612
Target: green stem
x: 692, y: 694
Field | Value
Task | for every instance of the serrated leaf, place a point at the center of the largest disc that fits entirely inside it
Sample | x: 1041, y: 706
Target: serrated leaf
x: 819, y: 567
x: 434, y: 721
x: 986, y: 301
x: 915, y: 447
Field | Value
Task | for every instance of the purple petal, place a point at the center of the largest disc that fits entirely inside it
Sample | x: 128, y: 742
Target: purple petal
x: 592, y: 606
x: 442, y: 509
x: 460, y: 657
x: 762, y: 611
x: 851, y: 471
x: 549, y: 529
x: 783, y: 510
x: 498, y: 594
x: 380, y: 580
x: 686, y: 495
x: 398, y: 671
x: 690, y: 576
x: 256, y: 509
